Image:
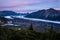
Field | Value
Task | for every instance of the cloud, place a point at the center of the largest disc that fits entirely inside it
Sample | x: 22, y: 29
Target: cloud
x: 26, y: 5
x: 14, y: 5
x: 57, y: 8
x: 17, y: 3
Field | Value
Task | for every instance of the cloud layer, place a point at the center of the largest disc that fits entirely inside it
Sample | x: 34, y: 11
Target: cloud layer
x: 28, y: 5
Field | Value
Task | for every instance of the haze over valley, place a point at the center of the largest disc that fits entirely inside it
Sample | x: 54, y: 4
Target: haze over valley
x: 29, y: 19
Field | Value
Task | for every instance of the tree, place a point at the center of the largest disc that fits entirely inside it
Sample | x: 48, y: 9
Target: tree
x: 52, y: 33
x: 30, y: 27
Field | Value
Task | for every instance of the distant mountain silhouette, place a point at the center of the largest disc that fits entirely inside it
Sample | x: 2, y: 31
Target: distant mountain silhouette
x: 7, y: 13
x: 11, y: 13
x: 49, y: 14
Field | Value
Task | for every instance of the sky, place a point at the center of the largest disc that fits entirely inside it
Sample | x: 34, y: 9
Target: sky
x: 28, y: 5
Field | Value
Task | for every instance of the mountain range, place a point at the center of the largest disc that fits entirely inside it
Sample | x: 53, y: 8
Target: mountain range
x: 49, y: 14
x: 11, y: 13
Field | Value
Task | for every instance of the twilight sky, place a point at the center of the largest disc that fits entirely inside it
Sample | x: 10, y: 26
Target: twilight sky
x: 28, y: 5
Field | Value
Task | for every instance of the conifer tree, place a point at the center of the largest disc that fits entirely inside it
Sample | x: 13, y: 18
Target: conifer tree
x: 30, y: 27
x: 51, y: 33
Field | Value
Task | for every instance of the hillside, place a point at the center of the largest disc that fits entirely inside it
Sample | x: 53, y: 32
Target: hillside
x: 11, y: 13
x: 49, y: 14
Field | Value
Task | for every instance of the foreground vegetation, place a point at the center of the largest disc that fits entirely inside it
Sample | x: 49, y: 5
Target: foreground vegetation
x: 30, y: 34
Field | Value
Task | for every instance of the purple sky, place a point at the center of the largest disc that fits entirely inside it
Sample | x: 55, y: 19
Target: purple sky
x: 28, y: 5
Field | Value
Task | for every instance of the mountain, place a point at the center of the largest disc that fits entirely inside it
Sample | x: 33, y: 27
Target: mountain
x: 11, y: 13
x: 7, y: 13
x: 49, y: 14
